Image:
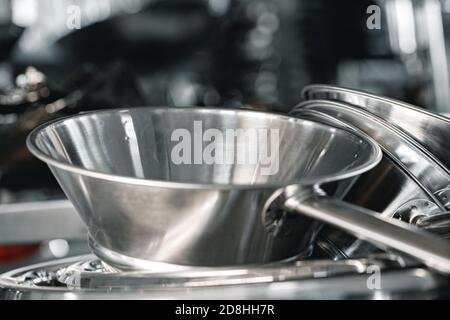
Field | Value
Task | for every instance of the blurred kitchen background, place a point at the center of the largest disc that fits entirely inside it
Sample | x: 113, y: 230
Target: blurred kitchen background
x: 60, y: 57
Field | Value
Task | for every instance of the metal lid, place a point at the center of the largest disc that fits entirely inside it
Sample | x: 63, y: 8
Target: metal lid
x: 395, y: 143
x: 431, y: 130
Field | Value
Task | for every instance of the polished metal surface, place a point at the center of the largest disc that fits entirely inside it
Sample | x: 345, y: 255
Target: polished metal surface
x: 33, y: 222
x: 387, y: 188
x: 92, y: 274
x: 95, y: 158
x: 395, y: 143
x: 410, y: 158
x: 438, y: 224
x: 431, y: 130
x: 368, y: 225
x: 84, y: 277
x: 115, y: 168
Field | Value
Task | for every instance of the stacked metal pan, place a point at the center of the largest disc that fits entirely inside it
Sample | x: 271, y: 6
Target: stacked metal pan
x: 411, y: 183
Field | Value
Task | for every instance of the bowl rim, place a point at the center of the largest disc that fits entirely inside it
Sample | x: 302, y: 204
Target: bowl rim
x: 373, y: 159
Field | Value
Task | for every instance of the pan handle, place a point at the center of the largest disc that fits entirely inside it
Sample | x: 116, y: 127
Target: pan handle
x: 369, y: 225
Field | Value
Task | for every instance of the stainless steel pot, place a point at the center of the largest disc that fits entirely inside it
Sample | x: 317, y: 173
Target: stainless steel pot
x: 429, y: 129
x: 115, y: 166
x: 389, y: 188
x: 410, y: 156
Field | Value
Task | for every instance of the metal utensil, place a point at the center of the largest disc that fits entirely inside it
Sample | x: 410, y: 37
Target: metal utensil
x: 84, y: 274
x: 429, y: 129
x: 388, y: 188
x: 438, y: 224
x: 421, y: 168
x: 398, y: 145
x: 115, y: 167
x: 128, y: 215
x: 342, y: 280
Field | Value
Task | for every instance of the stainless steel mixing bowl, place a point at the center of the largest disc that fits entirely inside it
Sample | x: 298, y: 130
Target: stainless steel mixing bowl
x: 115, y: 167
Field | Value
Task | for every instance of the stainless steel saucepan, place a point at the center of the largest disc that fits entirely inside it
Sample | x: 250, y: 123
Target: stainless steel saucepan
x: 407, y: 153
x: 118, y: 169
x: 395, y: 187
x: 429, y: 129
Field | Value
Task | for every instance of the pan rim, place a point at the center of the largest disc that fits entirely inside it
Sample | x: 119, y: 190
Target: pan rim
x: 370, y: 163
x: 317, y: 88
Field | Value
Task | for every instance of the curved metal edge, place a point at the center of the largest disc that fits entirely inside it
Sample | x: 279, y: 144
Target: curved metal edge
x: 121, y: 262
x: 34, y: 149
x: 330, y: 88
x: 310, y: 112
x: 364, y: 113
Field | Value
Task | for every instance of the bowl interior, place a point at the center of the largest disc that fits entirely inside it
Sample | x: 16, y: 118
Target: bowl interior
x: 202, y: 146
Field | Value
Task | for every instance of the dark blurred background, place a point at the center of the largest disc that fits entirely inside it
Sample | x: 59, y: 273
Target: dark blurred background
x: 60, y: 57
